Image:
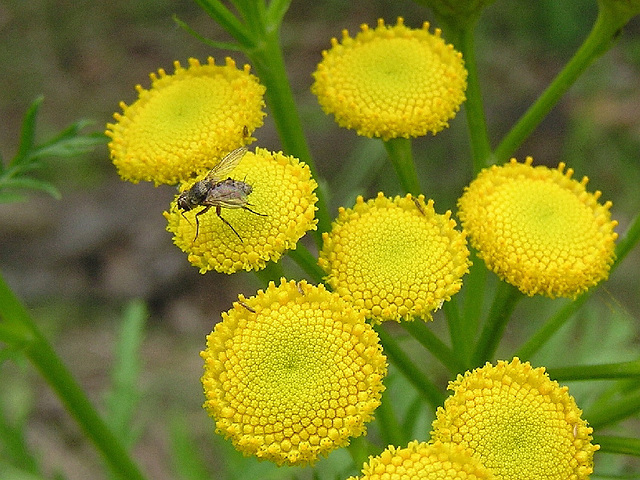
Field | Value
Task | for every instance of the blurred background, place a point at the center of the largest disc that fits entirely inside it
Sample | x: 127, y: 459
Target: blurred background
x: 76, y: 262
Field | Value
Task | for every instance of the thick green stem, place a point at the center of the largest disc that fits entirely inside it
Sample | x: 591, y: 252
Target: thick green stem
x: 390, y: 429
x: 474, y: 290
x: 474, y: 108
x: 399, y: 150
x: 598, y: 42
x: 505, y: 301
x: 551, y: 326
x: 305, y: 260
x: 270, y: 68
x: 402, y: 361
x: 419, y: 330
x: 36, y: 347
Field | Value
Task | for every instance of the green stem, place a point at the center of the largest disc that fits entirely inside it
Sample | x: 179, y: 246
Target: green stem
x: 627, y: 242
x: 272, y: 272
x: 419, y: 330
x: 227, y: 20
x: 474, y: 108
x: 505, y: 301
x: 399, y: 151
x: 592, y: 372
x: 305, y: 260
x: 402, y: 361
x: 474, y: 291
x: 270, y: 68
x: 390, y: 429
x: 618, y: 445
x: 260, y: 39
x: 36, y: 347
x: 461, y: 335
x: 551, y: 326
x: 601, y: 416
x: 597, y: 42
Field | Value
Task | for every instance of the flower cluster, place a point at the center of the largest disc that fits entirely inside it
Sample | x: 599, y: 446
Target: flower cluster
x: 295, y: 371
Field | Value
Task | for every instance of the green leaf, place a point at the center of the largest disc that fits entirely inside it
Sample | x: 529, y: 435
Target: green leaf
x: 66, y: 145
x: 124, y: 393
x: 187, y: 462
x: 29, y: 183
x: 27, y: 134
x: 11, y: 197
x: 211, y: 43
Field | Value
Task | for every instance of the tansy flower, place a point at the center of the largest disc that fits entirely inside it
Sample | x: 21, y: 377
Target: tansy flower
x: 391, y: 81
x: 424, y: 461
x: 394, y: 258
x: 539, y: 229
x: 185, y: 122
x: 518, y: 423
x: 282, y: 210
x: 292, y: 373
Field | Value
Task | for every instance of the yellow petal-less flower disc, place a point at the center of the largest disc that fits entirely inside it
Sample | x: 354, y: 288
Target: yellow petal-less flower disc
x: 394, y: 258
x: 391, y: 81
x: 424, y: 461
x: 518, y: 423
x: 292, y: 373
x: 539, y: 229
x: 185, y: 122
x: 282, y: 209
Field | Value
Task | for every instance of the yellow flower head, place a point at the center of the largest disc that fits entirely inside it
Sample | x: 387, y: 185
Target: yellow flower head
x: 391, y: 81
x: 518, y: 423
x: 538, y: 228
x: 281, y: 209
x: 292, y: 373
x: 394, y: 258
x: 424, y: 461
x: 185, y: 121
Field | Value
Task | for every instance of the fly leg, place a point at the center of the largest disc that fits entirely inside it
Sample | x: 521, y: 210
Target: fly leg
x: 218, y: 210
x: 252, y: 211
x: 204, y: 210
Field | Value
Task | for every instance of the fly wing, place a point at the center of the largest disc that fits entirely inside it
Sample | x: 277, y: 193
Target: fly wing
x: 228, y: 194
x: 226, y: 165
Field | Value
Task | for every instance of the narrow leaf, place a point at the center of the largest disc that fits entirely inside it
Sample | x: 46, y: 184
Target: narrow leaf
x: 27, y: 134
x: 211, y: 43
x: 69, y: 147
x: 29, y: 183
x: 124, y: 394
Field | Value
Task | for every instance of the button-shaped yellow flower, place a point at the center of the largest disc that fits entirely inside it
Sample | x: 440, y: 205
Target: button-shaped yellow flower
x: 539, y: 229
x: 185, y: 122
x: 394, y: 258
x: 424, y: 461
x: 291, y: 373
x: 518, y: 423
x: 391, y: 81
x: 281, y: 210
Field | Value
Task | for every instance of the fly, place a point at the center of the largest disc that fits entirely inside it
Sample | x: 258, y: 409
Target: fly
x: 215, y: 191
